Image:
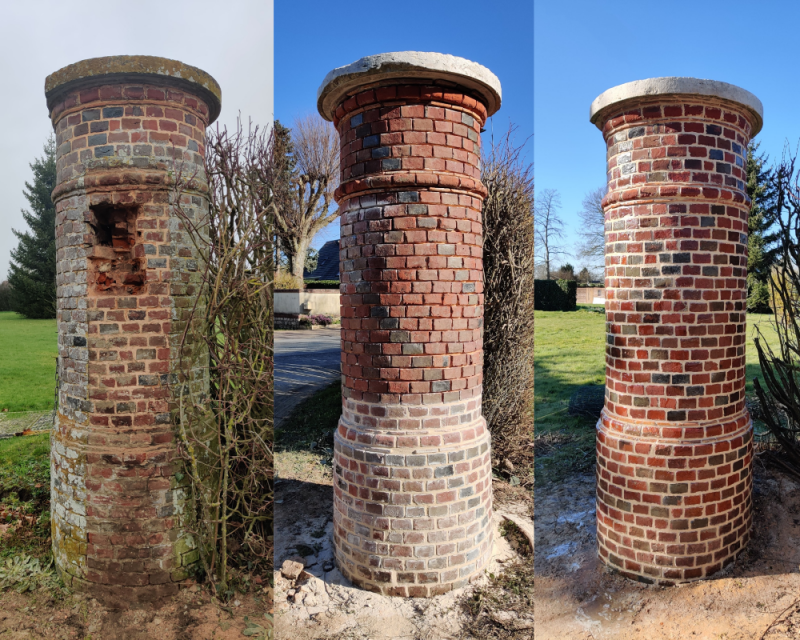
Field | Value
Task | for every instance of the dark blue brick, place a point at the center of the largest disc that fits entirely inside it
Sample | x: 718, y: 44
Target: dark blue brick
x: 390, y: 164
x: 91, y: 114
x: 100, y: 138
x: 103, y: 152
x: 371, y: 141
x: 98, y: 126
x: 356, y: 120
x: 716, y: 154
x: 113, y: 112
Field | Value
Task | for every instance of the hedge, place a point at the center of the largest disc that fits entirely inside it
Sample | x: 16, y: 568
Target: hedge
x: 555, y: 295
x: 321, y: 284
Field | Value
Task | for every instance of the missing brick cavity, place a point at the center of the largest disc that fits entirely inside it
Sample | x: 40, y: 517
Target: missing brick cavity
x: 114, y: 267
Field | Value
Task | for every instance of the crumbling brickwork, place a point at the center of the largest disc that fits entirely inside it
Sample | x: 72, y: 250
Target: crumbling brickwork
x: 126, y: 273
x: 412, y: 471
x: 674, y: 443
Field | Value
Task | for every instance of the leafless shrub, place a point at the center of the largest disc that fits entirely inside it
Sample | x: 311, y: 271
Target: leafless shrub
x: 508, y: 301
x: 226, y: 437
x: 780, y: 401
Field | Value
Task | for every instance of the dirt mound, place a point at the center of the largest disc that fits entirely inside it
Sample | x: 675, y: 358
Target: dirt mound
x: 578, y: 598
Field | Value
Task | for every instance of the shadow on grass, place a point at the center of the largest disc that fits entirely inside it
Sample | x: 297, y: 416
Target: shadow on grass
x: 563, y: 444
x: 570, y: 348
x: 311, y: 424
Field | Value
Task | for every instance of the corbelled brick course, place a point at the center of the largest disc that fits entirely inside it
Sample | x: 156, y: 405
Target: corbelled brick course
x: 412, y: 474
x: 126, y: 274
x: 674, y: 443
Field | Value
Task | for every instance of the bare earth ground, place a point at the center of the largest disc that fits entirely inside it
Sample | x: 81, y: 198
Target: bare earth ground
x: 577, y: 598
x: 191, y: 615
x: 322, y: 605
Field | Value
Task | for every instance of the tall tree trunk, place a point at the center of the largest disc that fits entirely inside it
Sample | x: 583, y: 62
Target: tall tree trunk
x: 298, y: 258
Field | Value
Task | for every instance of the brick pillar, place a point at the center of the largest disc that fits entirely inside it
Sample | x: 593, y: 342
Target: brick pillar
x: 125, y: 272
x: 674, y: 443
x: 412, y: 476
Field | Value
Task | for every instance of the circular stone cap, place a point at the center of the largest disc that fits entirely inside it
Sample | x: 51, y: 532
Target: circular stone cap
x: 150, y: 69
x: 407, y: 64
x: 676, y: 86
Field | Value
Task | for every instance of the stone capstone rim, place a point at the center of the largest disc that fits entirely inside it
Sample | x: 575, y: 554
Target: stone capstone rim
x: 613, y: 98
x: 150, y: 69
x: 411, y: 65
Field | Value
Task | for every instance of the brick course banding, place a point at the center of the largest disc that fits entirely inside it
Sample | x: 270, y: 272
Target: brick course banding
x: 674, y: 442
x: 412, y: 469
x: 126, y: 274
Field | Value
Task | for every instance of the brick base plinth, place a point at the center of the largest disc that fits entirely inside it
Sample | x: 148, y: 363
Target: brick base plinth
x: 412, y: 508
x: 672, y: 509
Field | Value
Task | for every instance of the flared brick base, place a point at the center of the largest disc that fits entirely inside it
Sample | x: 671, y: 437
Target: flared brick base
x: 412, y: 508
x: 673, y: 504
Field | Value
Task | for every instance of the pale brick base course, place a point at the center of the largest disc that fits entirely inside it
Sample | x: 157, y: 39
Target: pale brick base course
x: 412, y: 508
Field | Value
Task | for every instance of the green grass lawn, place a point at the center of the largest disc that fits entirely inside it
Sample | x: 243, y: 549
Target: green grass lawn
x: 28, y: 349
x: 570, y: 353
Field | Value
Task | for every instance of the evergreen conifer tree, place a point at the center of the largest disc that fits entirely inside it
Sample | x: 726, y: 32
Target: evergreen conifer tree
x: 32, y: 271
x: 284, y: 172
x: 762, y: 242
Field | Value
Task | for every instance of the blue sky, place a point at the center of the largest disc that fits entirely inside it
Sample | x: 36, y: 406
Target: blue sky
x: 583, y: 47
x: 311, y: 38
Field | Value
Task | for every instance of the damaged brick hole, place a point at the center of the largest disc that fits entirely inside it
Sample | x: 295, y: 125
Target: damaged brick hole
x: 115, y: 268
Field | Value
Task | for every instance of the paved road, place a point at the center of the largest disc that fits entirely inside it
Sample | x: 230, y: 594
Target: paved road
x: 304, y: 362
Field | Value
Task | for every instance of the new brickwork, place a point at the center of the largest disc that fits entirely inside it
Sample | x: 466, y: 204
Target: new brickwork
x: 126, y: 274
x: 674, y: 443
x: 412, y: 476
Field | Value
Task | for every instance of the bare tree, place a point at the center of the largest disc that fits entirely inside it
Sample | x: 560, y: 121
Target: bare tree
x: 549, y: 229
x: 593, y: 227
x: 307, y: 210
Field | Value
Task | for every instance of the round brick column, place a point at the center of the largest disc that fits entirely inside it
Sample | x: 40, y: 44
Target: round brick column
x: 674, y: 443
x: 412, y: 476
x: 126, y: 275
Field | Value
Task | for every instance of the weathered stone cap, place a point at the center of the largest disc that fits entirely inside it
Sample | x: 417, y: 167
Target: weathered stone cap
x: 637, y: 89
x: 150, y: 69
x: 407, y: 64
